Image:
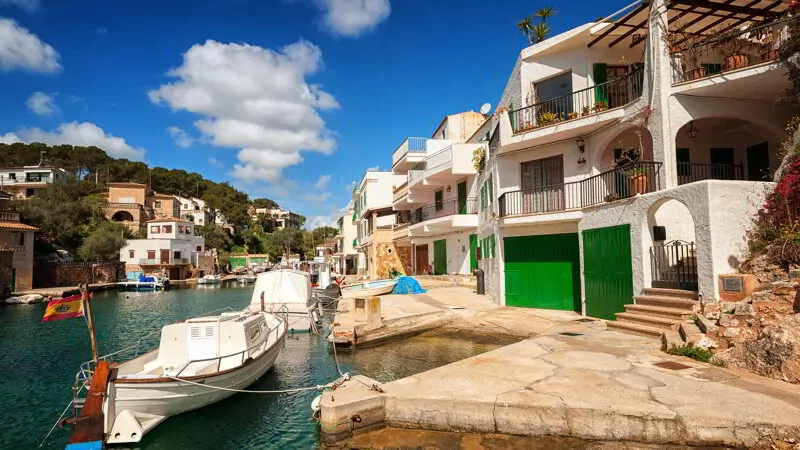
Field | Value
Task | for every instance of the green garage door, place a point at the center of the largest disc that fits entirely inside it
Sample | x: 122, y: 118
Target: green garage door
x: 543, y: 271
x: 440, y: 257
x: 607, y: 270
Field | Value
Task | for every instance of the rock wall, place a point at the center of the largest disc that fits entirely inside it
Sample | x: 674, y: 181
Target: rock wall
x: 389, y: 257
x: 75, y: 273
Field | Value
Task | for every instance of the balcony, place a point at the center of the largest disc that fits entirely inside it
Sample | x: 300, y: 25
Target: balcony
x: 414, y: 150
x: 444, y: 216
x: 12, y: 248
x: 164, y: 261
x: 592, y: 101
x: 10, y: 216
x: 444, y: 166
x: 691, y: 172
x: 638, y: 178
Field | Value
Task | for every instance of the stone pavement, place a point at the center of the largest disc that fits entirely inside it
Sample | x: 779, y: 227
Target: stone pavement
x: 574, y: 379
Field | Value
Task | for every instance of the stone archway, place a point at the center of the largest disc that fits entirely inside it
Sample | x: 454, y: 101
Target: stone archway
x: 670, y: 244
x: 122, y: 216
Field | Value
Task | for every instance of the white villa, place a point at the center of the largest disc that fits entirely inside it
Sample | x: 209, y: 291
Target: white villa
x: 629, y: 156
x: 374, y: 220
x: 346, y: 257
x: 437, y: 202
x: 195, y: 210
x: 27, y: 181
x: 171, y: 247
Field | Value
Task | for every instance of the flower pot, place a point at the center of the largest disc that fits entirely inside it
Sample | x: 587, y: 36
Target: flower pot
x: 736, y: 61
x: 639, y: 184
x: 694, y: 74
x: 769, y: 55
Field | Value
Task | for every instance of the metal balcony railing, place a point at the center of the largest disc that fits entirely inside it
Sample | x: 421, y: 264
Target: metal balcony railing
x: 637, y: 178
x: 691, y: 172
x: 125, y: 205
x: 11, y: 216
x: 734, y: 49
x: 12, y: 248
x: 160, y: 261
x: 449, y: 207
x: 598, y: 98
x: 674, y: 265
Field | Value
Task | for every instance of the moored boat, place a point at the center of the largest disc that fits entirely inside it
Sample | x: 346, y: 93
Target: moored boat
x: 247, y: 279
x: 145, y: 283
x: 290, y: 289
x: 209, y: 279
x: 368, y: 288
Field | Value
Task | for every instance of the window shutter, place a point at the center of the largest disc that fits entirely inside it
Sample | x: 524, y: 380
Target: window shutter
x: 600, y: 75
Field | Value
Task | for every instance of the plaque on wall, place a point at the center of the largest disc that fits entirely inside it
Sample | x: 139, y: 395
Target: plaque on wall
x: 732, y: 284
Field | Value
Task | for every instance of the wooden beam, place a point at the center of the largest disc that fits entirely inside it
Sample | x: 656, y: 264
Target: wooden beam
x: 641, y: 25
x: 711, y: 6
x: 618, y: 23
x: 713, y: 24
x: 738, y: 20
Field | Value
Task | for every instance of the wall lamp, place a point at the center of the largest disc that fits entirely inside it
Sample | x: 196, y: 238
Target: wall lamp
x: 448, y: 189
x: 692, y: 131
x: 581, y: 148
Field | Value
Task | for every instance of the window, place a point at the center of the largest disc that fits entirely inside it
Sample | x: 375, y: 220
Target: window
x: 487, y: 247
x: 180, y: 229
x: 21, y: 239
x: 132, y: 254
x: 683, y: 159
x: 158, y: 205
x: 486, y: 194
x: 439, y: 199
x: 151, y: 254
x: 199, y: 248
x: 155, y: 229
x: 12, y: 176
x: 166, y: 228
x: 176, y: 254
x: 188, y: 230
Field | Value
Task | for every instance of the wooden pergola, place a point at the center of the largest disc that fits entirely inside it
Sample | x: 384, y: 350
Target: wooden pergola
x: 697, y: 17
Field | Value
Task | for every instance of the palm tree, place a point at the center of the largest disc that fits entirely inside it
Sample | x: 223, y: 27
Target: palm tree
x: 540, y: 32
x: 545, y: 13
x: 525, y: 26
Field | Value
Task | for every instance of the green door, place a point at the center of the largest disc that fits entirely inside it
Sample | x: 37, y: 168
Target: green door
x: 439, y: 200
x: 607, y: 272
x: 543, y: 271
x: 462, y: 197
x: 473, y: 252
x: 440, y: 257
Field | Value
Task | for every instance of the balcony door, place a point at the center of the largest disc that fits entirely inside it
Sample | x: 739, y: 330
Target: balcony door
x: 722, y: 164
x: 553, y: 95
x: 543, y: 185
x: 164, y: 256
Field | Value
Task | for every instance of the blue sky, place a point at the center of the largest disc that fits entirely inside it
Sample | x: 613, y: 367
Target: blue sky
x: 287, y: 99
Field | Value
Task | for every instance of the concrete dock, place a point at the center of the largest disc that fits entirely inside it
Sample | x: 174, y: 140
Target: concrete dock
x: 571, y: 379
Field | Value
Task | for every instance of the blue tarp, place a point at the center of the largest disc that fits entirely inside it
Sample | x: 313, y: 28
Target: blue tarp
x: 144, y: 279
x: 407, y: 285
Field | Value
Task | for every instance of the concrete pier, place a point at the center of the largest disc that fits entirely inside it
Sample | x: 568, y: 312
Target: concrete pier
x: 575, y: 380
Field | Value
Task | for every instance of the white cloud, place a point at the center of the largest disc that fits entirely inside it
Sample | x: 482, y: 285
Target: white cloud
x: 329, y: 220
x: 323, y: 182
x: 9, y: 138
x: 83, y: 134
x: 180, y: 137
x: 254, y: 99
x: 22, y: 50
x: 216, y: 163
x: 26, y: 5
x: 41, y: 104
x: 102, y: 31
x: 322, y: 197
x: 353, y: 17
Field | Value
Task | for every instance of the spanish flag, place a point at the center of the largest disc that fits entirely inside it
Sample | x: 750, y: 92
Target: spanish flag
x: 65, y: 308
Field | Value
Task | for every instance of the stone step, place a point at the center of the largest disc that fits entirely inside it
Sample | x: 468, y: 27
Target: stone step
x: 669, y: 313
x: 651, y: 321
x: 636, y: 329
x: 665, y: 302
x: 664, y: 292
x: 690, y: 332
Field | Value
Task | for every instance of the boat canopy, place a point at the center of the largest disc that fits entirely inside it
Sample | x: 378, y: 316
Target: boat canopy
x: 282, y: 286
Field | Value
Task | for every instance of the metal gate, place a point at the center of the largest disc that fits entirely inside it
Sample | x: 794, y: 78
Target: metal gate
x: 674, y: 265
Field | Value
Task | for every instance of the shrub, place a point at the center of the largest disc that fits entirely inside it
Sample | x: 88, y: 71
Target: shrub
x: 689, y: 350
x: 776, y: 232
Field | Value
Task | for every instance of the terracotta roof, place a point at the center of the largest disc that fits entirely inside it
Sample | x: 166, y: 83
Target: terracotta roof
x: 8, y: 225
x: 170, y: 219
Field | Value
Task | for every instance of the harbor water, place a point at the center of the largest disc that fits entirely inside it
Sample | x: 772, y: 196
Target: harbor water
x: 39, y: 361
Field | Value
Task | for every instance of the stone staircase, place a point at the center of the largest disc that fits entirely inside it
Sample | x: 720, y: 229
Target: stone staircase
x: 655, y: 312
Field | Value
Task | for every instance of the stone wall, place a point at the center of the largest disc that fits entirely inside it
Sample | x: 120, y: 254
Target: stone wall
x: 388, y: 257
x: 74, y: 273
x: 6, y: 259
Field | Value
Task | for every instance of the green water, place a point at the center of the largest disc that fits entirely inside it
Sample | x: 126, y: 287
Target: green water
x: 39, y: 361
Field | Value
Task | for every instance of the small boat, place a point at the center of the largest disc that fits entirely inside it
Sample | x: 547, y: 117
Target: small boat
x: 209, y: 279
x: 145, y: 283
x: 368, y: 289
x: 198, y: 362
x: 247, y: 279
x: 290, y: 289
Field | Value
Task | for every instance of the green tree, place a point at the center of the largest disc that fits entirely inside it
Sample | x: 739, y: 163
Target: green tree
x: 215, y: 237
x: 104, y: 243
x: 535, y: 26
x: 232, y: 204
x: 525, y: 26
x: 265, y: 203
x: 284, y: 242
x: 264, y: 223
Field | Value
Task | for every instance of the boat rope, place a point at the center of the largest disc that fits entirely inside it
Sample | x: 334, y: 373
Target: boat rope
x: 56, y: 424
x: 319, y: 387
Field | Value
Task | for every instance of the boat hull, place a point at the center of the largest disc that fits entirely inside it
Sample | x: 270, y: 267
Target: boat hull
x: 367, y: 290
x: 135, y: 404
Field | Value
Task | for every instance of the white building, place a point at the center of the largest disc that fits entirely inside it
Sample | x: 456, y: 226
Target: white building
x: 27, y: 181
x: 574, y: 226
x: 283, y: 218
x: 437, y: 201
x: 195, y: 210
x: 171, y: 247
x: 374, y: 219
x: 346, y: 257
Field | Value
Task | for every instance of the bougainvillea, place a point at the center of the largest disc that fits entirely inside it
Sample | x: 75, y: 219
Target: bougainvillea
x: 776, y: 231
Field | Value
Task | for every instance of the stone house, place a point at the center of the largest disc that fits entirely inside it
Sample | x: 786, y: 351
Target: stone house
x: 16, y: 249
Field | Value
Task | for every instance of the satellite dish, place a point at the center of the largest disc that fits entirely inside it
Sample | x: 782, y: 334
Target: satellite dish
x: 486, y: 108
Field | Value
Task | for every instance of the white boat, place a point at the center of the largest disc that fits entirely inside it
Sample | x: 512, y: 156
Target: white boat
x: 145, y: 283
x: 209, y: 279
x: 368, y: 289
x: 289, y: 288
x: 194, y: 357
x: 247, y: 279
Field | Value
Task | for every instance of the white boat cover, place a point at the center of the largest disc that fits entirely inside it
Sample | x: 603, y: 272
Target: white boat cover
x: 282, y: 286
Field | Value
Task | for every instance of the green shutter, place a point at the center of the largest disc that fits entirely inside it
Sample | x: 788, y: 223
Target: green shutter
x: 490, y: 191
x: 600, y: 76
x: 439, y: 198
x: 440, y: 257
x: 607, y: 270
x: 473, y: 257
x: 462, y: 197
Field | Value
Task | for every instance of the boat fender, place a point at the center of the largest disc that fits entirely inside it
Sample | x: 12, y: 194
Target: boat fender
x: 315, y: 404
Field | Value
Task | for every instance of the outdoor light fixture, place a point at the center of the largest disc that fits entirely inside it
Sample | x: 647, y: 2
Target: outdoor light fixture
x: 581, y: 144
x: 448, y: 188
x: 692, y: 132
x: 581, y: 160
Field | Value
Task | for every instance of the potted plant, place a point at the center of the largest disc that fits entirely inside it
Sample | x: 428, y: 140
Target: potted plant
x: 586, y: 110
x: 548, y: 118
x: 612, y: 197
x: 600, y: 105
x: 769, y: 37
x: 732, y: 49
x: 572, y: 115
x: 478, y: 159
x: 627, y: 157
x: 638, y: 180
